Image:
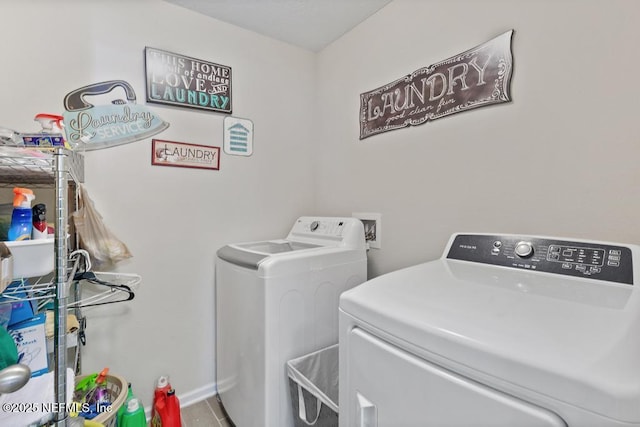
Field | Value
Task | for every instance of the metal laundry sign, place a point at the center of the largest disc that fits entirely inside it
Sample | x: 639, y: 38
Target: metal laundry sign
x: 478, y: 77
x: 187, y: 82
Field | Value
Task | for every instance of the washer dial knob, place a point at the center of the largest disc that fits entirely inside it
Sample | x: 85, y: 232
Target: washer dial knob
x: 524, y: 249
x: 314, y: 225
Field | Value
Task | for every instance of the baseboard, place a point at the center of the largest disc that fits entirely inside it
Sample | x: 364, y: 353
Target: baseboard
x: 197, y: 395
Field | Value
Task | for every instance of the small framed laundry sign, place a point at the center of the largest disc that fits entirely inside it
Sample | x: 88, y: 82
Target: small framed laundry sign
x: 180, y: 154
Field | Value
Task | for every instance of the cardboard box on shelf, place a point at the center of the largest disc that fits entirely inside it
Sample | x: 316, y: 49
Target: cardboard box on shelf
x: 31, y: 341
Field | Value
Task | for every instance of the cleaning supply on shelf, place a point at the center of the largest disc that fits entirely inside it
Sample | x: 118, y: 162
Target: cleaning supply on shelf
x: 165, y: 411
x: 50, y: 134
x: 53, y: 124
x: 50, y: 123
x: 21, y: 217
x: 39, y: 214
x: 134, y: 415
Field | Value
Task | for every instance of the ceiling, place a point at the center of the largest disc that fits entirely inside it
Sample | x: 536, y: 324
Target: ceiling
x: 310, y: 24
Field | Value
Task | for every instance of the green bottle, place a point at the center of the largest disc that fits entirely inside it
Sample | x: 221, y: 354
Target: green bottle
x: 134, y: 415
x: 123, y: 408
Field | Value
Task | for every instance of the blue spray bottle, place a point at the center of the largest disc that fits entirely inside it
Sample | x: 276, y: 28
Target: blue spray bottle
x: 21, y: 217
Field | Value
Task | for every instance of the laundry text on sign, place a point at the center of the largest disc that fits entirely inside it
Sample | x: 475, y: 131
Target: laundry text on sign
x: 478, y: 77
x: 182, y: 81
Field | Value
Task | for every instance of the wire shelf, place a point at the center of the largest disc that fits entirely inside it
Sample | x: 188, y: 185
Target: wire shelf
x: 26, y: 291
x: 35, y: 166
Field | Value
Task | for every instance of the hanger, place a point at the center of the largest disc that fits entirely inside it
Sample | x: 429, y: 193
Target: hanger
x: 113, y: 289
x: 84, y: 273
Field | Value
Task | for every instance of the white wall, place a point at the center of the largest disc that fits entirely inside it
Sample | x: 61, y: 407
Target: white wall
x: 561, y: 159
x: 172, y: 219
x: 570, y: 131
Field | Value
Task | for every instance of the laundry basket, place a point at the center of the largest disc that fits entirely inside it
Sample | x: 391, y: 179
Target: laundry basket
x: 117, y: 388
x: 313, y: 385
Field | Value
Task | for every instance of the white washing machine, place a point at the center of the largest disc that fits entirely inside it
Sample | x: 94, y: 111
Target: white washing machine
x: 501, y: 331
x: 277, y: 300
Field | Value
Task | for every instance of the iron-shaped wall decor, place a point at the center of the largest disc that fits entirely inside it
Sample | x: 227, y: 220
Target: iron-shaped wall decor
x: 478, y: 77
x: 93, y: 127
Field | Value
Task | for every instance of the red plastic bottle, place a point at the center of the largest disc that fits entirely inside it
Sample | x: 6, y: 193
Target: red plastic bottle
x: 172, y: 411
x: 160, y: 402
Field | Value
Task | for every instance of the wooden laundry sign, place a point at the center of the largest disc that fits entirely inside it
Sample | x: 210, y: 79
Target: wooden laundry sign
x: 478, y: 77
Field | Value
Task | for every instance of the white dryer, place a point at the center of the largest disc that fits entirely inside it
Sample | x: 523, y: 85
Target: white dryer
x: 501, y: 331
x: 277, y: 300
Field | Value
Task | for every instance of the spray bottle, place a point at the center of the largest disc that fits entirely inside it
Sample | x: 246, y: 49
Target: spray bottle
x: 39, y: 213
x: 21, y: 217
x: 50, y: 123
x: 51, y: 133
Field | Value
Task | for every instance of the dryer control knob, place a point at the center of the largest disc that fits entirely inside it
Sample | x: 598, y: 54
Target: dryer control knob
x: 524, y: 249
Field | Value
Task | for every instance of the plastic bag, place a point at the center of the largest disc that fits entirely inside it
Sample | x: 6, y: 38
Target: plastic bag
x: 103, y: 246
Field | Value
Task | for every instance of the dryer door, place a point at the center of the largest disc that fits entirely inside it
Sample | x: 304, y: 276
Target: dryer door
x: 385, y: 386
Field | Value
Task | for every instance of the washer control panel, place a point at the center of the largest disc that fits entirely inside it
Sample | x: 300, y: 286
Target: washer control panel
x: 320, y: 226
x: 345, y: 232
x: 580, y: 259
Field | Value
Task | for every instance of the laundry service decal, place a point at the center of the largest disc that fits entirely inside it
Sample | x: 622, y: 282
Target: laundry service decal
x: 476, y: 78
x: 96, y: 117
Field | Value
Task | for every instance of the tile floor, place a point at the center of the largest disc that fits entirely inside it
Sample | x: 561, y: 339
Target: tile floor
x: 206, y: 413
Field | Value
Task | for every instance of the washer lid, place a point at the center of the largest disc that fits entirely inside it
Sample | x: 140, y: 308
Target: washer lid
x: 251, y: 254
x: 270, y: 247
x: 575, y: 340
x: 341, y: 237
